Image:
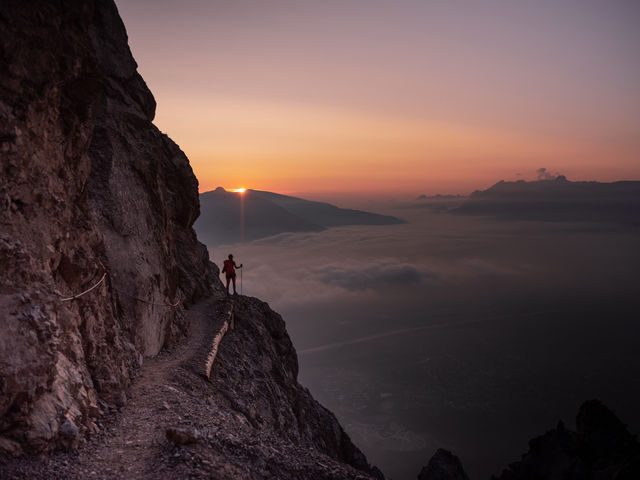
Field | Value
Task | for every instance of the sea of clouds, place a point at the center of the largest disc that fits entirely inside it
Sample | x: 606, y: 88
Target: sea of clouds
x: 430, y: 333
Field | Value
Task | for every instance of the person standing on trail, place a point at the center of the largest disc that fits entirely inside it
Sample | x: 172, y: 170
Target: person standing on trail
x: 229, y: 269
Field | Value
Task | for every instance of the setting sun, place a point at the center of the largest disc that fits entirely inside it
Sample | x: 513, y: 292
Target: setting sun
x: 238, y: 190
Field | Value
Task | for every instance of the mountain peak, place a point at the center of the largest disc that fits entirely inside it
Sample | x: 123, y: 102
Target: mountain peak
x: 258, y: 214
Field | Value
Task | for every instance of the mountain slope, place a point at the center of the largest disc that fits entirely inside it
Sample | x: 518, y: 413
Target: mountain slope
x: 229, y: 217
x: 558, y: 200
x: 325, y: 214
x: 600, y: 448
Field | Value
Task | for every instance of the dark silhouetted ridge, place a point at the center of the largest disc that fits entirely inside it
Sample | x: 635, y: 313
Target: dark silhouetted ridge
x: 230, y: 217
x: 601, y: 448
x: 558, y: 200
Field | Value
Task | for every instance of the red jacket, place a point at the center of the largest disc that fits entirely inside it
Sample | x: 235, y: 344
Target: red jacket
x: 229, y: 267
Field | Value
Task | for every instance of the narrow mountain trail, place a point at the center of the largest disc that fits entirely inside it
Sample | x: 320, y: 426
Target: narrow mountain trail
x: 135, y: 442
x: 132, y: 441
x: 223, y: 404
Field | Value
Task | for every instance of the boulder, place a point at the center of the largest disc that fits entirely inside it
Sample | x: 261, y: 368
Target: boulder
x: 183, y: 436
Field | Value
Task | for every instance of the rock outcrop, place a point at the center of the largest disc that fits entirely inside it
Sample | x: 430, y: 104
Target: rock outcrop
x: 88, y: 186
x: 600, y: 448
x: 444, y: 465
x: 270, y: 406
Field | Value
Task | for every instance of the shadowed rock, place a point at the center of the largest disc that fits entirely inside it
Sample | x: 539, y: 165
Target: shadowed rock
x: 88, y: 184
x: 444, y: 465
x: 600, y: 448
x: 183, y: 436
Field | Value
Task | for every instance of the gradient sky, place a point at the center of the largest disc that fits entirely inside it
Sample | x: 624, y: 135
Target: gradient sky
x: 393, y: 96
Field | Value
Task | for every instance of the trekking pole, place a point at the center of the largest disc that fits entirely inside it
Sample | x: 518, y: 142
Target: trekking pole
x: 241, y: 281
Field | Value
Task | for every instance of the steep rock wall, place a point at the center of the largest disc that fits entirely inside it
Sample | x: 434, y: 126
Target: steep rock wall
x: 263, y: 423
x: 264, y: 388
x: 87, y: 183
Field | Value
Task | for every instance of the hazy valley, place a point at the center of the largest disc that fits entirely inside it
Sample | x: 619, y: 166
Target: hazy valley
x: 464, y: 332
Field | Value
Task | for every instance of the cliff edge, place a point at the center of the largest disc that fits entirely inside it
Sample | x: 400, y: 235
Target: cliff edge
x: 101, y: 268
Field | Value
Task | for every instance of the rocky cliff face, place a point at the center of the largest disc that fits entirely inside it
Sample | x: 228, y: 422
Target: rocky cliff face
x: 444, y: 465
x: 93, y: 198
x: 88, y: 185
x: 271, y: 408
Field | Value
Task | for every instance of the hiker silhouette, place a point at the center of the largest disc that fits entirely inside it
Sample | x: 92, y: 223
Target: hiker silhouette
x: 229, y: 268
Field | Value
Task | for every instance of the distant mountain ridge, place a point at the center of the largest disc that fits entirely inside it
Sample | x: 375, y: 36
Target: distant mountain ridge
x: 230, y: 217
x: 440, y: 196
x: 557, y: 200
x: 601, y: 447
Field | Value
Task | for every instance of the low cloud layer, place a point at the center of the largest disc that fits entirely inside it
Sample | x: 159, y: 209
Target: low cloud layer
x: 405, y: 329
x: 369, y: 276
x: 450, y: 255
x: 355, y: 263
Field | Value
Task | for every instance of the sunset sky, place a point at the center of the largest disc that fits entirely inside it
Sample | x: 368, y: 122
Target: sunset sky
x: 393, y: 96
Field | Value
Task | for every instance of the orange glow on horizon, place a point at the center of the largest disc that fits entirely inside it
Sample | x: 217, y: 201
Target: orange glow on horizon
x: 284, y: 146
x: 402, y: 98
x: 238, y: 190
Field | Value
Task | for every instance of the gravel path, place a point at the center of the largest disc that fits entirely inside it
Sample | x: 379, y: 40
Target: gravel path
x: 132, y: 442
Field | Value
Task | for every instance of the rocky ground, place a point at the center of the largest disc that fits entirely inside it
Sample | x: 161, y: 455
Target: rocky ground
x: 179, y: 424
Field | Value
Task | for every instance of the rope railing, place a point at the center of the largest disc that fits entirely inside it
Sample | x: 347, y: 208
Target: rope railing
x: 68, y: 299
x: 104, y: 275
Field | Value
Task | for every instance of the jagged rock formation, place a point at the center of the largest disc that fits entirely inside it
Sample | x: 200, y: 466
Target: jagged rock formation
x: 600, y: 448
x: 444, y: 465
x: 272, y: 407
x: 86, y: 178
